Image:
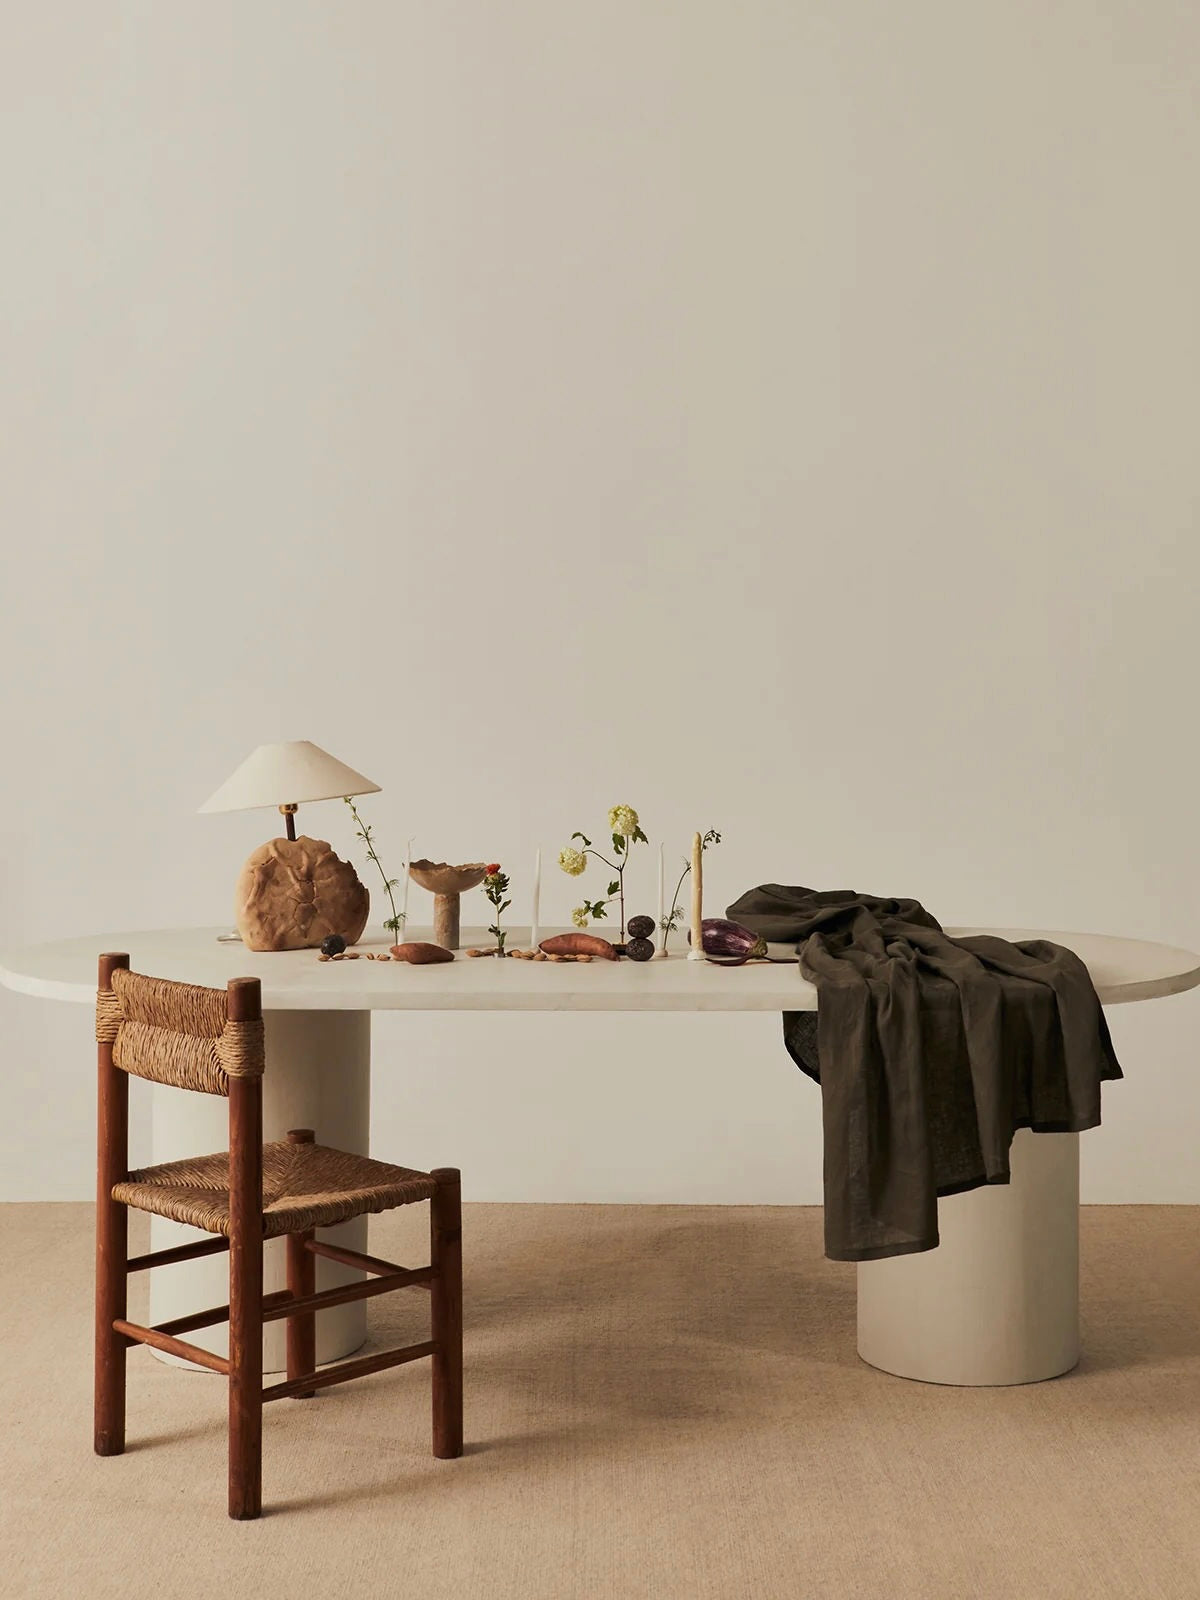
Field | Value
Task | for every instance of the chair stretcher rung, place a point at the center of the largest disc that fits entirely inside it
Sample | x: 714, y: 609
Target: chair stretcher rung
x: 208, y: 1319
x: 352, y: 1258
x: 172, y: 1347
x: 181, y: 1252
x: 347, y: 1370
x: 347, y: 1292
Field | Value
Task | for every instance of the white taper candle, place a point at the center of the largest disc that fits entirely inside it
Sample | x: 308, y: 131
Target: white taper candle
x: 404, y: 889
x: 536, y: 903
x: 696, y: 953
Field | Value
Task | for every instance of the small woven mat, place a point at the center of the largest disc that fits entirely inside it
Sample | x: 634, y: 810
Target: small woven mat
x: 304, y: 1186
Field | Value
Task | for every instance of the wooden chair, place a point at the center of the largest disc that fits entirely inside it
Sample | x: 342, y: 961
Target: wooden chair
x: 211, y: 1040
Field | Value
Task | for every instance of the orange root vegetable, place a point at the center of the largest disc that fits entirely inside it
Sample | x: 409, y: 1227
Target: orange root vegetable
x: 578, y: 944
x: 422, y: 955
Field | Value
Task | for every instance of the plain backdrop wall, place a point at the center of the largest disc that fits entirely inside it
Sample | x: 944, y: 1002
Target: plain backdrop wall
x: 777, y: 416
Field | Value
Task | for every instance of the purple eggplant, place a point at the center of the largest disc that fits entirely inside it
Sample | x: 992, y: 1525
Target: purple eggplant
x: 729, y: 943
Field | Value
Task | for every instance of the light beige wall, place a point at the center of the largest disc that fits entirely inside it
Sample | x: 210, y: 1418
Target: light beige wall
x: 779, y: 416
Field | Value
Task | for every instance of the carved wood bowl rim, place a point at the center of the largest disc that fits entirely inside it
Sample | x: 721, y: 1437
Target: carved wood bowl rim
x: 439, y: 877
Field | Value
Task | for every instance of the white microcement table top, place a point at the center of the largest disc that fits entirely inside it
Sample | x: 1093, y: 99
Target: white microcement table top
x: 294, y: 980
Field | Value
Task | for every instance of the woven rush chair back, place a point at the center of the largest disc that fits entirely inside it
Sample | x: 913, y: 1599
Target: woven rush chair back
x: 180, y: 1034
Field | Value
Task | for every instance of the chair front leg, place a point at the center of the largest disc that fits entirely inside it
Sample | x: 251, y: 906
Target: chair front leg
x: 112, y: 1243
x: 245, y: 1289
x: 245, y: 1378
x: 112, y: 1234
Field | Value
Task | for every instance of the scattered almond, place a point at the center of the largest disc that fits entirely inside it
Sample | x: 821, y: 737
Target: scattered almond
x: 322, y: 958
x: 540, y: 955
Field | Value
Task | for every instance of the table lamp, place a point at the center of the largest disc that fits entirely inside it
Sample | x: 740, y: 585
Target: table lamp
x: 293, y: 892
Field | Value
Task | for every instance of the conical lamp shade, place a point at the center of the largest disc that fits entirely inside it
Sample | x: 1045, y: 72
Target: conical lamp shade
x: 286, y: 774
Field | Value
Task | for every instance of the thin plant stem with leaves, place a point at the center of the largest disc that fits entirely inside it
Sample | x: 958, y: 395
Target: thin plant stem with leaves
x: 394, y: 923
x: 626, y: 831
x: 671, y: 921
x: 495, y: 888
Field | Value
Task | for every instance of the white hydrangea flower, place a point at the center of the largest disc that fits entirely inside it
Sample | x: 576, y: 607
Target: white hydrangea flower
x: 623, y: 820
x: 572, y: 861
x: 579, y: 917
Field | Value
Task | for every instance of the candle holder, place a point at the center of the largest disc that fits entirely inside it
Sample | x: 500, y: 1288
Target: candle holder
x: 446, y: 884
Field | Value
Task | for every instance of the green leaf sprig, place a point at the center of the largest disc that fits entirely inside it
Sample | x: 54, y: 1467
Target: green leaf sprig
x: 625, y: 831
x: 495, y: 887
x: 395, y: 923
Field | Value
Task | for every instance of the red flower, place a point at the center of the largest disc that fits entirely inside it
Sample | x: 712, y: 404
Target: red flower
x: 492, y: 868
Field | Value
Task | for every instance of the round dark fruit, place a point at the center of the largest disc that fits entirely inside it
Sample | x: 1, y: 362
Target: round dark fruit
x: 332, y: 944
x: 641, y: 927
x: 639, y: 949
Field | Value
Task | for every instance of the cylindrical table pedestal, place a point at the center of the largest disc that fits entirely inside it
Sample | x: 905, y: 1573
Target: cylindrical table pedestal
x: 318, y: 1076
x: 998, y: 1301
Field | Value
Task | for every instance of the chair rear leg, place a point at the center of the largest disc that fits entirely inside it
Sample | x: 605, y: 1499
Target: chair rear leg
x: 112, y: 1229
x: 302, y: 1330
x: 445, y: 1227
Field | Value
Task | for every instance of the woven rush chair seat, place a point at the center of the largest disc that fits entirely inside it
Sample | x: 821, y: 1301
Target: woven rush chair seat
x: 304, y: 1186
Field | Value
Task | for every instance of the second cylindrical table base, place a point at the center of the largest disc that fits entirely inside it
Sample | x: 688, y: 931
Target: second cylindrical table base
x: 998, y: 1301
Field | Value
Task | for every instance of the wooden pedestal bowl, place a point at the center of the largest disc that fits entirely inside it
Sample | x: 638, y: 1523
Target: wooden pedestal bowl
x: 446, y: 883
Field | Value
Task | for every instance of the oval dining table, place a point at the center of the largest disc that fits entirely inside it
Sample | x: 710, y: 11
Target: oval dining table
x: 996, y: 1303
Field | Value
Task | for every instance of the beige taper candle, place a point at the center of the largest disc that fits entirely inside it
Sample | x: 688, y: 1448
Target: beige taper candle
x: 696, y: 953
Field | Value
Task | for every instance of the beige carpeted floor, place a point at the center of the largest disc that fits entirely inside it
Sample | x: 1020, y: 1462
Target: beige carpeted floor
x: 662, y: 1402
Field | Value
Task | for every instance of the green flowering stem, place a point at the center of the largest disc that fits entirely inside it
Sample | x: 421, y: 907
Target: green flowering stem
x: 495, y: 887
x: 621, y: 847
x: 395, y: 923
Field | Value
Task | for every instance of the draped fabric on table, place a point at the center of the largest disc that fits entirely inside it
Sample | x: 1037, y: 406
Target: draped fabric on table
x: 930, y: 1053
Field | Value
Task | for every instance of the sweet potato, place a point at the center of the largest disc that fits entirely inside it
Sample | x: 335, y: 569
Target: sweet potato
x: 422, y: 955
x: 578, y: 944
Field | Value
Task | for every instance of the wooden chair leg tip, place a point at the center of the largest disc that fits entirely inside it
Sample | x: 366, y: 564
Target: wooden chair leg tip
x: 245, y: 1504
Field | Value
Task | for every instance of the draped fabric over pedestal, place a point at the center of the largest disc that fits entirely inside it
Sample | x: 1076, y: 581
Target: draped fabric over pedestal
x: 930, y: 1052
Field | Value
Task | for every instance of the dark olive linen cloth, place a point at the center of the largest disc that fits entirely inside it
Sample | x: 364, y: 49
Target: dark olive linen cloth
x: 930, y: 1052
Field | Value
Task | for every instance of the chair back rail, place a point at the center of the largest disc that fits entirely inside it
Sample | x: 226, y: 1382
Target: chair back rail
x: 180, y: 1034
